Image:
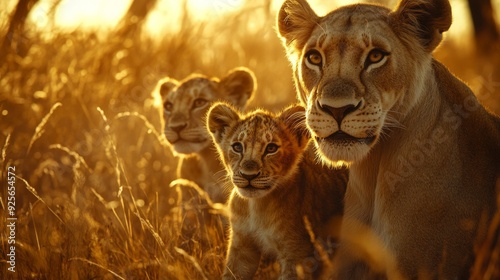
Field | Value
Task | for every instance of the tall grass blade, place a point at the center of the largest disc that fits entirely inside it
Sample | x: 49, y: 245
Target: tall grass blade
x: 192, y: 260
x: 34, y: 192
x: 40, y: 128
x: 98, y: 265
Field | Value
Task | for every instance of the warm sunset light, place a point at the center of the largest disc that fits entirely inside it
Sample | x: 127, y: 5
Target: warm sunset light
x: 90, y: 13
x: 166, y: 17
x: 181, y: 139
x: 98, y: 14
x: 206, y: 9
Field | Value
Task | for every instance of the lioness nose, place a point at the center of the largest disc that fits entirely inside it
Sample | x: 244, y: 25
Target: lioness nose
x: 339, y: 113
x: 249, y: 177
x: 178, y: 127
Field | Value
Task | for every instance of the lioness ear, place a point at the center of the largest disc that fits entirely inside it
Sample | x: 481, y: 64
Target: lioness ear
x: 296, y: 20
x: 426, y: 19
x: 294, y: 117
x: 238, y: 86
x: 165, y: 85
x: 219, y: 117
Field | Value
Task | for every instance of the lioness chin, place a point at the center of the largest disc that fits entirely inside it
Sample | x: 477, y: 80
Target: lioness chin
x: 424, y: 154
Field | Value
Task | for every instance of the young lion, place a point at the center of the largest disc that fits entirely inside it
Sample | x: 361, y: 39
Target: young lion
x: 277, y: 182
x: 425, y: 154
x: 185, y: 106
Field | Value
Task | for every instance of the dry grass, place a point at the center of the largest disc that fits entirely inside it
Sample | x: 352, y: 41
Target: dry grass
x: 94, y: 192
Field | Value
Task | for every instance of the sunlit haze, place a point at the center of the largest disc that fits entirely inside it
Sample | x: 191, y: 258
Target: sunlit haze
x: 166, y: 17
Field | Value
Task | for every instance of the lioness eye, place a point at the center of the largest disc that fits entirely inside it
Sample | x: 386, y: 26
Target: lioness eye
x: 314, y: 57
x: 168, y: 106
x: 199, y: 102
x: 375, y: 56
x: 237, y: 147
x: 271, y: 148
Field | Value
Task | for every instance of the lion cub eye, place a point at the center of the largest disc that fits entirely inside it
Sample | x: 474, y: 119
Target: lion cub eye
x: 237, y: 147
x: 271, y: 148
x: 168, y: 106
x: 199, y: 102
x: 314, y: 57
x: 375, y: 56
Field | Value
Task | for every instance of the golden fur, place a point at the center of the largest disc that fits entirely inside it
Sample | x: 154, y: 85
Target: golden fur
x: 185, y: 105
x: 424, y: 153
x: 277, y: 182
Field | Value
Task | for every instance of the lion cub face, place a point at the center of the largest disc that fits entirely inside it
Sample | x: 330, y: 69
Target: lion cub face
x: 357, y: 65
x: 186, y: 103
x: 260, y: 150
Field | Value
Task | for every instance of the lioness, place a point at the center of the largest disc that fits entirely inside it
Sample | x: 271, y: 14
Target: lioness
x: 277, y: 182
x: 185, y: 105
x: 424, y: 153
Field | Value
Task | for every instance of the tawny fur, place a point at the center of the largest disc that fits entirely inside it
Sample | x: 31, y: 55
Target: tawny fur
x: 185, y: 105
x: 425, y: 155
x: 288, y: 184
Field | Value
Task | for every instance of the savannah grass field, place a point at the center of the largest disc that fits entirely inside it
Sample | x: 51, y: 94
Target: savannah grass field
x: 81, y: 132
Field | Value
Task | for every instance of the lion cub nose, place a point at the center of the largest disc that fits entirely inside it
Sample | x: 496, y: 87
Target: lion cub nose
x: 178, y: 127
x: 249, y: 176
x: 341, y: 112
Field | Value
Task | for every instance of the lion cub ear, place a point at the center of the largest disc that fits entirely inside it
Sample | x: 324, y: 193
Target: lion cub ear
x: 294, y: 117
x: 238, y: 86
x: 219, y: 118
x: 426, y: 19
x: 165, y: 85
x: 296, y: 20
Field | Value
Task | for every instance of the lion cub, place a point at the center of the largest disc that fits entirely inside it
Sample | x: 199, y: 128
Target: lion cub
x: 277, y: 182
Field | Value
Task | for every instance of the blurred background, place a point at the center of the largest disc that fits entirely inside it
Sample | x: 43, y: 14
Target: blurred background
x: 221, y: 34
x: 78, y: 121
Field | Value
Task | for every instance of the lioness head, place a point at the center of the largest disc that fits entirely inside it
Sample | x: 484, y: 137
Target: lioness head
x: 260, y: 150
x: 360, y: 68
x: 186, y: 103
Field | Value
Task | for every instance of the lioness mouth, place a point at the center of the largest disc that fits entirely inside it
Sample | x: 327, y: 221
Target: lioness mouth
x: 341, y: 137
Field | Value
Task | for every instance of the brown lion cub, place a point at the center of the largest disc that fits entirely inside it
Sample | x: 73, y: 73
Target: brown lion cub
x: 277, y: 182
